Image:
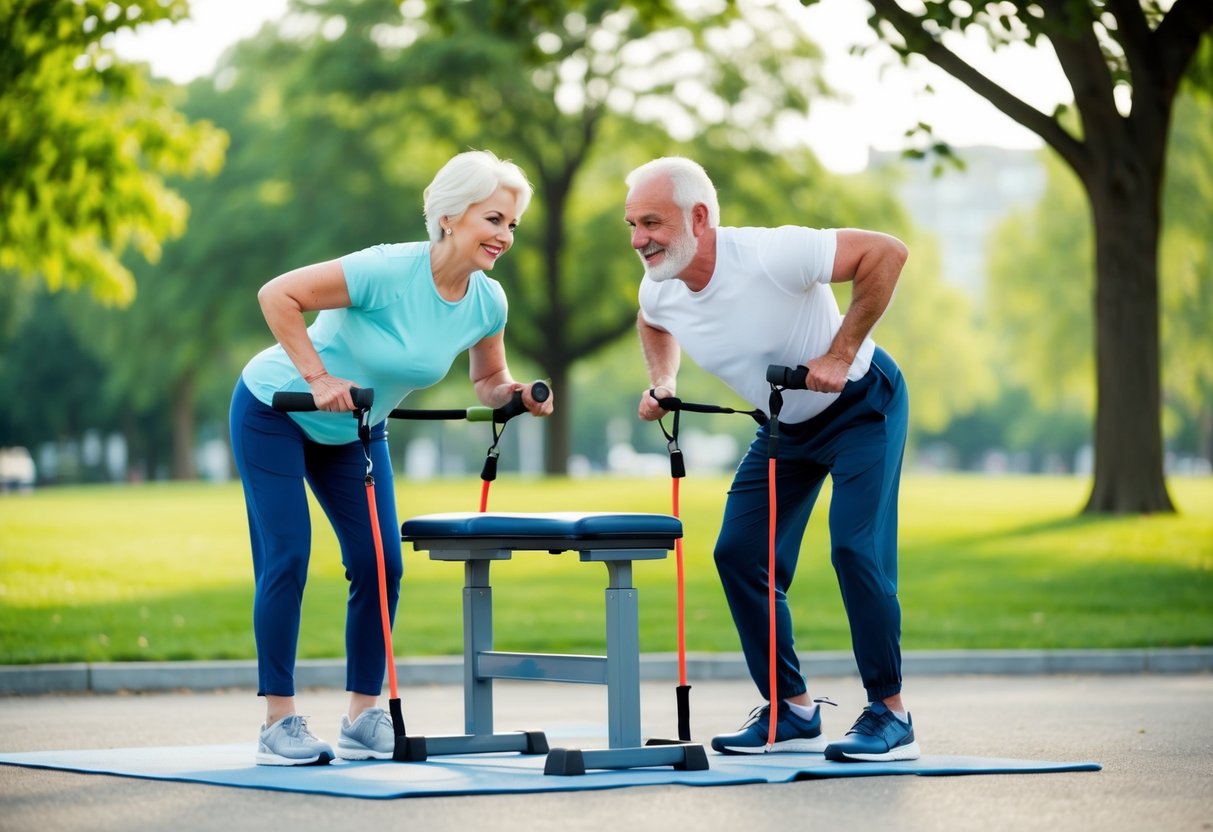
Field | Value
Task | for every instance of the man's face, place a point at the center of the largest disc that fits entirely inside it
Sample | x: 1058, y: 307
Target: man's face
x: 661, y: 231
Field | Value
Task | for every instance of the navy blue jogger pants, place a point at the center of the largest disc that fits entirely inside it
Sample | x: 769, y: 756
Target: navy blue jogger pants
x: 275, y: 458
x: 858, y: 441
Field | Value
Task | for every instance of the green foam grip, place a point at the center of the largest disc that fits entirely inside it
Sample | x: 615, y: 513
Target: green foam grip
x: 480, y: 414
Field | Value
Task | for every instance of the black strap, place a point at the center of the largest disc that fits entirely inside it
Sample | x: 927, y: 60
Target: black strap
x: 363, y: 415
x: 429, y: 415
x: 678, y: 468
x: 489, y: 472
x: 675, y: 404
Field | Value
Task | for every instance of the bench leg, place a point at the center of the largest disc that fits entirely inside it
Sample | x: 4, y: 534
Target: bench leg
x: 623, y: 656
x: 477, y: 637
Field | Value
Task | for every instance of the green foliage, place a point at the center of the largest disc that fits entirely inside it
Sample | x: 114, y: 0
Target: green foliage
x: 88, y: 145
x: 1041, y: 285
x: 163, y: 572
x: 48, y: 363
x: 339, y: 119
x: 1186, y: 263
x: 1039, y: 296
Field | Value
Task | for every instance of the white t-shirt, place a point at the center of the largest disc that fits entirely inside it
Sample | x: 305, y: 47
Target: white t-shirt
x: 768, y: 302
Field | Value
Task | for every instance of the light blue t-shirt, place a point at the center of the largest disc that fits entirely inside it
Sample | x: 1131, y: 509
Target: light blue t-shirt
x: 398, y: 335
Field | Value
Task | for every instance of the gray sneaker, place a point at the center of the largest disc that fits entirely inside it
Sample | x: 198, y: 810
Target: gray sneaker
x: 369, y: 737
x: 288, y: 742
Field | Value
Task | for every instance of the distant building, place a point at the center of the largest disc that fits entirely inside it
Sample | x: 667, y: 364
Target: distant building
x: 962, y: 207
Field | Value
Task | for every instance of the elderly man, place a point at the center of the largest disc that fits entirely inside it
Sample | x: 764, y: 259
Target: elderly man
x: 738, y: 300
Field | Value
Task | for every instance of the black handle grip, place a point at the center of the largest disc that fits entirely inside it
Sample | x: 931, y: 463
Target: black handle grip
x: 363, y: 398
x: 514, y: 407
x: 788, y: 378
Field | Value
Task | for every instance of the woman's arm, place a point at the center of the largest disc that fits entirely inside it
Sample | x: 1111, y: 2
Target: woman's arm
x: 284, y: 300
x: 492, y: 380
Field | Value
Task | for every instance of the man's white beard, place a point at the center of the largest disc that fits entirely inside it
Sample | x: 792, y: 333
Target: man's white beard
x: 678, y: 255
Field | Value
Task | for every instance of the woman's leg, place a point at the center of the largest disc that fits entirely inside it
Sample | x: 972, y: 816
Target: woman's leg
x: 337, y: 475
x: 269, y: 449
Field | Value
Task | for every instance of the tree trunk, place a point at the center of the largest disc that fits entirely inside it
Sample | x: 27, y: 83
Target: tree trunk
x: 184, y: 466
x: 554, y: 351
x: 559, y: 428
x: 1129, y: 475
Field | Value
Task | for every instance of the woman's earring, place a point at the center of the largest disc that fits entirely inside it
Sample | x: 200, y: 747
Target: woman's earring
x: 448, y: 232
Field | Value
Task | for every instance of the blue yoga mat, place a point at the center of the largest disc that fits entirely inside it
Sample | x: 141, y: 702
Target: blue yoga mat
x: 232, y: 765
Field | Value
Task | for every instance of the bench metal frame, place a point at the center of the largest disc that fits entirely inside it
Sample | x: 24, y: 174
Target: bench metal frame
x: 618, y: 670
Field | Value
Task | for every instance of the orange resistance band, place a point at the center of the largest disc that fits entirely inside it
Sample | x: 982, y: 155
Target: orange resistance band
x: 484, y: 496
x: 682, y: 636
x: 774, y: 690
x: 387, y: 622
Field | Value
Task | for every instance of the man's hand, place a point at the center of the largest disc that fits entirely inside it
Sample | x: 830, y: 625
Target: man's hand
x: 649, y: 410
x: 827, y: 374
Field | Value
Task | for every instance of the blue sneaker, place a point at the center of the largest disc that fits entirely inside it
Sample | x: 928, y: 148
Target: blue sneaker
x: 792, y: 733
x: 877, y: 737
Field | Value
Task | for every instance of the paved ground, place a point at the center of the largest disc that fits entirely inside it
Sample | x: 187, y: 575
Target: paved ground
x: 1153, y: 734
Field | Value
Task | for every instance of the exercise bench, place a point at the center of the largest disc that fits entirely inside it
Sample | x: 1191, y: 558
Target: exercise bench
x: 615, y: 540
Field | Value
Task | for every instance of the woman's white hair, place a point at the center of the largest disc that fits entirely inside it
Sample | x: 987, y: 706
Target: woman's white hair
x: 469, y: 178
x: 691, y: 184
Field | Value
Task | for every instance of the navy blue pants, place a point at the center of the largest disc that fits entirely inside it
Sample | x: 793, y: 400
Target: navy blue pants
x: 858, y: 441
x: 275, y: 458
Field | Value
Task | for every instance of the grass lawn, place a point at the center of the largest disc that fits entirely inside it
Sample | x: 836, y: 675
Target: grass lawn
x: 119, y: 573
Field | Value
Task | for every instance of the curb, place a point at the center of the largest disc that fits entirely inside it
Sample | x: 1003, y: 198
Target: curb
x: 137, y: 677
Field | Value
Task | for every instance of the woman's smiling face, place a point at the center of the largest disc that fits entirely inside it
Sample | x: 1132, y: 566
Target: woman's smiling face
x: 486, y: 229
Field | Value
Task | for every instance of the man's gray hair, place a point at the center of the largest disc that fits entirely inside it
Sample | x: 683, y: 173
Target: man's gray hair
x: 469, y: 178
x: 691, y: 184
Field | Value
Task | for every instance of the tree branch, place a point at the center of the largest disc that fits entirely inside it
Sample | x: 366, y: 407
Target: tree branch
x: 1134, y: 34
x: 1082, y: 59
x: 924, y: 43
x: 1178, y: 37
x: 599, y: 339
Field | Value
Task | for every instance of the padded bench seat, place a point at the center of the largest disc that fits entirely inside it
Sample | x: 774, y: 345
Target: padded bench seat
x: 558, y: 531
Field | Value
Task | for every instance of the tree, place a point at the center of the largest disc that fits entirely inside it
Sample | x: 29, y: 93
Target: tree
x: 561, y: 94
x: 288, y: 170
x: 1124, y: 60
x: 87, y: 144
x: 1040, y: 289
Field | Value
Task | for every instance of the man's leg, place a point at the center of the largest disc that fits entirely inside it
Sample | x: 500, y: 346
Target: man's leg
x: 863, y: 530
x: 866, y: 476
x: 742, y: 554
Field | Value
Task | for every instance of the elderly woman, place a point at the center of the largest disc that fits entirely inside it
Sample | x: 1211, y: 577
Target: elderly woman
x: 391, y: 317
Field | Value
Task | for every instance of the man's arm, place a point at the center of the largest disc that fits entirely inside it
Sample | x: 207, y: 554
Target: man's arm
x: 872, y: 262
x: 662, y: 357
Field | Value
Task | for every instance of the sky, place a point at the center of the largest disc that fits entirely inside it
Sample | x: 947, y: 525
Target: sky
x: 880, y: 106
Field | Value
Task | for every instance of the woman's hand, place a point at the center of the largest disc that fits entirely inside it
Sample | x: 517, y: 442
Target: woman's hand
x: 332, y: 394
x: 543, y: 408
